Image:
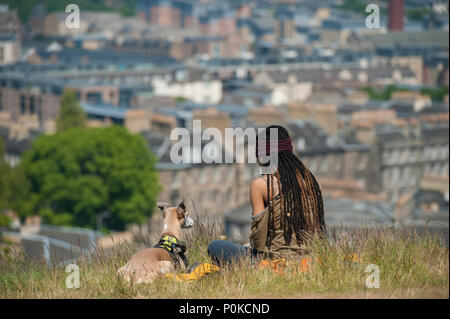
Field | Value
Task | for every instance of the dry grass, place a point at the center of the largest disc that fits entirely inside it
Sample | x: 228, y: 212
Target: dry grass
x: 411, y: 266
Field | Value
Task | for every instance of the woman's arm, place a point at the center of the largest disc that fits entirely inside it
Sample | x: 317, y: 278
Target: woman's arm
x: 257, y: 188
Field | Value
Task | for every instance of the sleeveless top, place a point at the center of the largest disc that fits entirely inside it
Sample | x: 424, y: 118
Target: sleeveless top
x: 278, y: 248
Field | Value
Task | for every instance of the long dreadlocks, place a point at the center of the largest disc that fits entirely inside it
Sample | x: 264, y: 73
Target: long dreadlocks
x: 301, y: 198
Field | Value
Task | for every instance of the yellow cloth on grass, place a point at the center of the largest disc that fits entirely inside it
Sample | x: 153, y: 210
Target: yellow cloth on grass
x: 196, y: 274
x: 278, y: 266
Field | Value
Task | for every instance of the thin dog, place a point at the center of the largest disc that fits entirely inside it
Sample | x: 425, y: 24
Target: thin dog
x: 165, y: 256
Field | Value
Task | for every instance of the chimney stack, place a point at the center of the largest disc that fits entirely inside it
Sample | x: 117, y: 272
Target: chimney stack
x: 396, y: 13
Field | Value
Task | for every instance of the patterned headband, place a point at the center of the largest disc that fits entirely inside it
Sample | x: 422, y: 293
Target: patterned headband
x: 281, y: 145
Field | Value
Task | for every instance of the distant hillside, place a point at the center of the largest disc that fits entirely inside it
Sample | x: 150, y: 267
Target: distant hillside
x: 25, y: 7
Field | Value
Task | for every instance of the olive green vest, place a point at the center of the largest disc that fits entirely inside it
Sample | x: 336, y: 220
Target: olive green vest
x: 278, y: 247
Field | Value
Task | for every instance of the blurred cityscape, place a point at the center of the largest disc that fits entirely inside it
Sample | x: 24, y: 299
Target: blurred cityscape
x: 368, y: 108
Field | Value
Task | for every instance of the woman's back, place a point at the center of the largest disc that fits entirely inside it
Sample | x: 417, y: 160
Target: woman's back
x: 287, y: 205
x: 290, y: 200
x: 260, y: 223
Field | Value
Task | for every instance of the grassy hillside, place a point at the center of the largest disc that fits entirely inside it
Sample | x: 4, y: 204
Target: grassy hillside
x: 410, y: 267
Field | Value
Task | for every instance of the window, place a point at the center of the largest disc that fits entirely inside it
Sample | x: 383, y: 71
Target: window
x: 56, y: 90
x: 94, y: 97
x: 215, y: 196
x: 22, y: 105
x: 39, y: 107
x: 32, y: 105
x: 338, y: 164
x: 229, y: 193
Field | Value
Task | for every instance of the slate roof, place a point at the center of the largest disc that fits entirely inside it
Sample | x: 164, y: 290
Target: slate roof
x: 314, y: 139
x: 317, y: 75
x: 426, y: 38
x: 104, y: 110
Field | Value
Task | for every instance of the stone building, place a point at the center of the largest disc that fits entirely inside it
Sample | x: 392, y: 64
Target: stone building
x: 10, y: 35
x: 403, y: 158
x: 343, y: 169
x: 207, y: 188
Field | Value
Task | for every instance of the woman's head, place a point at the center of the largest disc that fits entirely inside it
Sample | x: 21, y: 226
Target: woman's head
x: 265, y: 144
x: 302, y: 204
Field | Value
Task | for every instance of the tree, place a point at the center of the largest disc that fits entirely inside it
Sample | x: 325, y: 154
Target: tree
x: 436, y: 94
x: 24, y: 7
x: 13, y: 187
x: 4, y: 177
x: 70, y: 114
x: 79, y: 173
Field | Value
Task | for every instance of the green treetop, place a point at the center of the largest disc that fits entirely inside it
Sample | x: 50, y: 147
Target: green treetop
x: 70, y: 114
x: 79, y: 173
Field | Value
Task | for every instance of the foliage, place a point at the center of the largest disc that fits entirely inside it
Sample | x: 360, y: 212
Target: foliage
x: 4, y: 221
x: 436, y: 94
x: 353, y: 5
x: 71, y: 114
x: 384, y: 94
x: 418, y: 14
x: 25, y: 7
x: 180, y: 99
x: 78, y: 173
x: 4, y: 172
x: 13, y: 186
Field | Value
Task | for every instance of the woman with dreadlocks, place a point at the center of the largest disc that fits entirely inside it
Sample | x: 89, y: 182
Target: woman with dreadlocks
x: 287, y: 204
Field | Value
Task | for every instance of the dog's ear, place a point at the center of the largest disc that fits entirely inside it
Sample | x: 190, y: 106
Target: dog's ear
x: 162, y: 205
x: 181, y: 209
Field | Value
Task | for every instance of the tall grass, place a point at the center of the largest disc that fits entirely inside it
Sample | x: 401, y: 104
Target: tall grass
x: 411, y: 265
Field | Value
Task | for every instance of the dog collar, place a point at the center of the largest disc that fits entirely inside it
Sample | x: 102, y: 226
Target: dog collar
x: 171, y: 243
x: 175, y: 247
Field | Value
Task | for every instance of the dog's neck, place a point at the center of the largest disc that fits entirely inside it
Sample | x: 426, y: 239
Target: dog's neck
x: 171, y: 226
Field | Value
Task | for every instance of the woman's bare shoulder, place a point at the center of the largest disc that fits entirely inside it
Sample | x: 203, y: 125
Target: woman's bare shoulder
x: 259, y: 183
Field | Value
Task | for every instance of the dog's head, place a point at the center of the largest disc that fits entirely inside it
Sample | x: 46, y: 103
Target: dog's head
x: 180, y: 212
